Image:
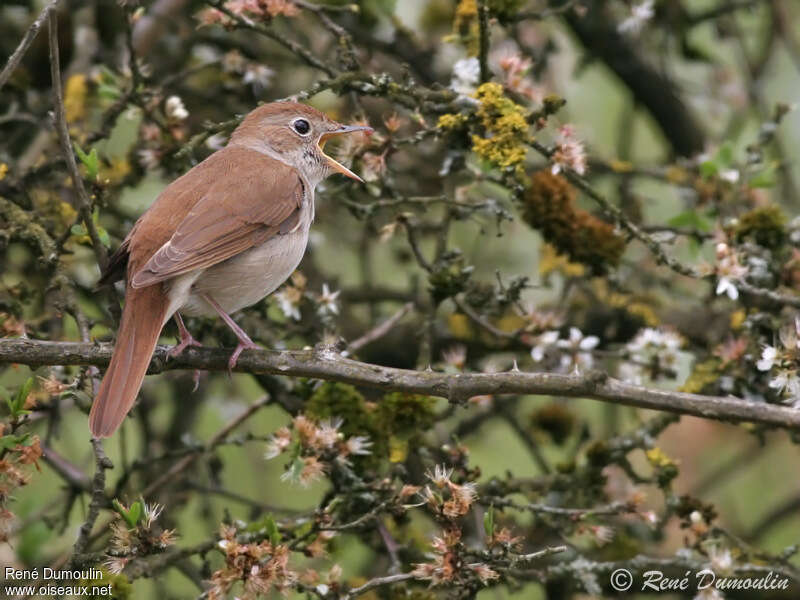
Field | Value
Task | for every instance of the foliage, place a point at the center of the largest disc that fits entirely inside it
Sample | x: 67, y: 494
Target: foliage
x: 549, y: 208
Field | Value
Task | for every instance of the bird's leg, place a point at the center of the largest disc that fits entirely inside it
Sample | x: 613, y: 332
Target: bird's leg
x: 186, y: 341
x: 245, y: 342
x: 186, y: 338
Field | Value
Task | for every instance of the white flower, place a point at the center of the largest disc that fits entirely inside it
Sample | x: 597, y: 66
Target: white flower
x: 440, y: 476
x: 578, y: 341
x: 768, y: 356
x: 288, y: 306
x: 569, y: 152
x: 175, y: 109
x: 327, y: 300
x: 721, y: 560
x: 328, y: 432
x: 543, y: 342
x: 466, y: 75
x: 149, y: 158
x: 259, y: 75
x: 358, y: 445
x: 640, y: 13
x: 787, y: 383
x: 726, y: 286
x: 580, y: 347
x: 729, y: 175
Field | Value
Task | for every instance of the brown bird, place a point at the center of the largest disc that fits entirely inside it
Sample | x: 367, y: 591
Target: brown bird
x: 220, y: 238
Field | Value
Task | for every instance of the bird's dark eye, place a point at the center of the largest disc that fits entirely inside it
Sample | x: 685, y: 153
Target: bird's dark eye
x: 301, y: 126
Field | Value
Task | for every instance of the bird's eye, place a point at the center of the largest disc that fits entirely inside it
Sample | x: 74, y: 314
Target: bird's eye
x: 301, y: 126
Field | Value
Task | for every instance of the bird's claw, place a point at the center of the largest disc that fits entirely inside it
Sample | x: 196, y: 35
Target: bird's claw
x: 235, y: 356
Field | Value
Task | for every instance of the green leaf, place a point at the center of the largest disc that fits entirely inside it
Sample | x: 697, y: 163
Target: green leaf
x: 135, y: 513
x: 723, y: 159
x: 90, y: 161
x: 272, y: 530
x: 129, y: 515
x: 17, y: 405
x: 763, y: 179
x: 7, y: 442
x: 690, y: 219
x: 488, y: 522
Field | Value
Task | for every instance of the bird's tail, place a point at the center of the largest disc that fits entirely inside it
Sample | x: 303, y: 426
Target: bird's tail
x: 142, y: 319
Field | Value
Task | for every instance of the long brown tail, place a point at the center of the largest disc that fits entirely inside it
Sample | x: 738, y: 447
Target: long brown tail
x: 142, y: 317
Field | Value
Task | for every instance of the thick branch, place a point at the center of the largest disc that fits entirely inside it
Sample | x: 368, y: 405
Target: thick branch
x: 329, y: 365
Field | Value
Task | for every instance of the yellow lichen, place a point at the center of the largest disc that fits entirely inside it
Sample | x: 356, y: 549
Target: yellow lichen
x: 658, y: 458
x: 676, y: 175
x: 451, y: 121
x: 3, y: 171
x: 621, y: 166
x: 466, y: 28
x: 114, y: 172
x: 75, y: 93
x: 737, y: 319
x: 551, y: 261
x: 505, y: 129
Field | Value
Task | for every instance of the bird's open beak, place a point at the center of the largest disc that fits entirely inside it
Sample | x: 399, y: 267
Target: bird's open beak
x: 335, y: 165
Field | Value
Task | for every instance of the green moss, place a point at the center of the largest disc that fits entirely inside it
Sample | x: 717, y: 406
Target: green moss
x: 766, y: 226
x: 447, y: 281
x: 392, y: 424
x: 331, y: 400
x: 403, y: 413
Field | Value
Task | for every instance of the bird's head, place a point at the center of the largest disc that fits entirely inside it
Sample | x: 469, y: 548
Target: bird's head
x: 295, y: 134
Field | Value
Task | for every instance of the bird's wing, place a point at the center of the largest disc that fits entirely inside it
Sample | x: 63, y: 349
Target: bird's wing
x: 242, y: 209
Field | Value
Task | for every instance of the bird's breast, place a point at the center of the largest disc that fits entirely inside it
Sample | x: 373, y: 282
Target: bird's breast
x: 246, y: 278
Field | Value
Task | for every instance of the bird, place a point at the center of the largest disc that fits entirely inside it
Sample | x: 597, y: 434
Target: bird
x: 221, y: 237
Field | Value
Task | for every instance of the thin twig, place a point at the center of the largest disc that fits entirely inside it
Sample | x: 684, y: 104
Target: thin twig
x: 179, y: 467
x: 25, y: 43
x: 379, y: 331
x: 102, y: 462
x: 483, y: 51
x: 60, y: 119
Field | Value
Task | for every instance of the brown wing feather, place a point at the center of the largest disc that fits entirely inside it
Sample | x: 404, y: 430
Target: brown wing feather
x: 227, y: 221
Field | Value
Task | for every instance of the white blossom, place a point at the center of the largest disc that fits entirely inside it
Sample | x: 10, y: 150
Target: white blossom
x: 768, y: 356
x: 787, y: 383
x: 288, y: 305
x: 327, y: 300
x: 466, y: 75
x: 175, y: 109
x: 543, y: 342
x: 726, y: 286
x: 640, y: 14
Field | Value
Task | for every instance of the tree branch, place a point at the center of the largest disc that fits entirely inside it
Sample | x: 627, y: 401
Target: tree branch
x: 25, y: 43
x: 60, y: 121
x: 324, y: 363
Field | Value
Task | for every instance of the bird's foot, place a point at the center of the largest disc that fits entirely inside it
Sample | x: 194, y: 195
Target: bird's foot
x: 246, y: 344
x: 186, y: 338
x: 182, y: 345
